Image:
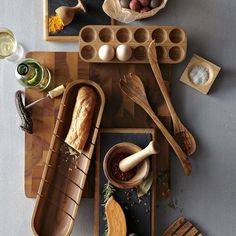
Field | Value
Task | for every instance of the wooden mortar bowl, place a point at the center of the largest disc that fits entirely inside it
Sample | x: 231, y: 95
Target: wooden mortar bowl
x: 142, y: 169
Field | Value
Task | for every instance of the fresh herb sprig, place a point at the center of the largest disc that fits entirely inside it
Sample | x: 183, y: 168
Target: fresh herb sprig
x: 108, y: 191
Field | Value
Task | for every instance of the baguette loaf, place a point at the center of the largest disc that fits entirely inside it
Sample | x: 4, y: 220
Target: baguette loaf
x: 82, y: 118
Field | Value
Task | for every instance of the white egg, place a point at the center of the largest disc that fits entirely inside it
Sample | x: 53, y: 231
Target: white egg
x: 106, y: 52
x: 123, y: 52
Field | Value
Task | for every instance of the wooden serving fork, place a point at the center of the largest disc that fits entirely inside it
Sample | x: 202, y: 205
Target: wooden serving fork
x: 133, y: 87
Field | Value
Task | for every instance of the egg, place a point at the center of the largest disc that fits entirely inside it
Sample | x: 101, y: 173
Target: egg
x: 123, y: 52
x: 106, y: 53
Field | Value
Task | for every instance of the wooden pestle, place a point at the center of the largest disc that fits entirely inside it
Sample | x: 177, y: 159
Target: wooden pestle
x: 131, y: 161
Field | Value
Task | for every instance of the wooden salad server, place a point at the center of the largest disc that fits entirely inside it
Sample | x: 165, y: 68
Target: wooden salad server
x: 133, y: 87
x: 133, y: 160
x: 67, y: 14
x: 184, y: 138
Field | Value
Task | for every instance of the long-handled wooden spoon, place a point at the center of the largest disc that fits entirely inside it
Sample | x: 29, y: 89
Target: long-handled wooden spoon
x: 67, y: 14
x: 133, y: 87
x: 184, y: 138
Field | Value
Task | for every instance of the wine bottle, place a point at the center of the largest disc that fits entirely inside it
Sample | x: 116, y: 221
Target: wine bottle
x: 32, y: 74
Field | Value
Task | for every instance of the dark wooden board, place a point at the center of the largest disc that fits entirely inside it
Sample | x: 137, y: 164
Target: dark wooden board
x: 119, y: 111
x: 93, y: 16
x: 140, y: 214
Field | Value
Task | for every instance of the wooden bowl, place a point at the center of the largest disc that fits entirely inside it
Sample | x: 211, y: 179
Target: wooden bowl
x: 142, y: 169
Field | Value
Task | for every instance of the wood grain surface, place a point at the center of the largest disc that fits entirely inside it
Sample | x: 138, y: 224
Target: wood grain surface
x: 120, y: 111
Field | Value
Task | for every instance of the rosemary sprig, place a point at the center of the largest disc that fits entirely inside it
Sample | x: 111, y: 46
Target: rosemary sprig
x: 108, y: 191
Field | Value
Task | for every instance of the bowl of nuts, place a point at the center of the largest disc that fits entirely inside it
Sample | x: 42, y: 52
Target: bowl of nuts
x: 127, y: 11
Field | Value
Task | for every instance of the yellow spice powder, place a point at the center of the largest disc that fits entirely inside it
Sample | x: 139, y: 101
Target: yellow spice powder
x: 55, y: 24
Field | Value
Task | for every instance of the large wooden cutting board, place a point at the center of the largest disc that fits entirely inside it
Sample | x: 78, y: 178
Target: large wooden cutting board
x: 120, y: 112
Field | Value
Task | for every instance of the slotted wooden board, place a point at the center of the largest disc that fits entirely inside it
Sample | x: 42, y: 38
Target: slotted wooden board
x: 120, y: 111
x: 182, y: 227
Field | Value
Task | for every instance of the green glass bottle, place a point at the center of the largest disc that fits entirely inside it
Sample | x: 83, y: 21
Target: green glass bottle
x: 31, y: 74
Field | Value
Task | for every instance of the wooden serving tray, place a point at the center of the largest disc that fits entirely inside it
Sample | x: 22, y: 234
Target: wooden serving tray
x: 120, y: 111
x: 141, y: 215
x: 64, y: 175
x: 94, y: 15
x: 171, y: 42
x: 182, y: 227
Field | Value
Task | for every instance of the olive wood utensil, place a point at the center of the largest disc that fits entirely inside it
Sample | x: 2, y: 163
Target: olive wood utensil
x: 184, y: 138
x: 67, y: 14
x: 133, y: 87
x: 133, y: 160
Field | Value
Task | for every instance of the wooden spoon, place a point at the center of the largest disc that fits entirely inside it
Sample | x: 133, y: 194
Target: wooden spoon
x: 184, y: 138
x: 133, y: 87
x: 67, y: 14
x: 133, y: 160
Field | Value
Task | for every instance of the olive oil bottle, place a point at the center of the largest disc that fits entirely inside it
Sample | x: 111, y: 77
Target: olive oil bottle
x: 31, y: 74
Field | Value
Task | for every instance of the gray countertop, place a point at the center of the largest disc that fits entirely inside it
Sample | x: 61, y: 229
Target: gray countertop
x: 208, y: 196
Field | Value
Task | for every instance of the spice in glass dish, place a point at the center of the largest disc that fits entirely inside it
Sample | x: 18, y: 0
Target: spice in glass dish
x: 123, y: 176
x: 55, y: 24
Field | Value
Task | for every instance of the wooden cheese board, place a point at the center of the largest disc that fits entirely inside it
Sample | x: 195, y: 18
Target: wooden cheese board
x: 119, y: 111
x: 138, y: 212
x: 94, y: 15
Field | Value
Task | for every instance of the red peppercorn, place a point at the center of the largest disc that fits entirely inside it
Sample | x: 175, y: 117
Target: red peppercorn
x: 124, y: 176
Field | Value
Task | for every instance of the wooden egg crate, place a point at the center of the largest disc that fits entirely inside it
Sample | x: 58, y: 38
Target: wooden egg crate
x: 171, y: 42
x: 64, y: 174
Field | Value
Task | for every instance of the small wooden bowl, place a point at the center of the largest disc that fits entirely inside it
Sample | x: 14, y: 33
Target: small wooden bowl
x: 142, y: 169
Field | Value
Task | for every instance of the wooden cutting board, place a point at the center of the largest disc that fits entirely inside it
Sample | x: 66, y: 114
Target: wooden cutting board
x: 120, y: 111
